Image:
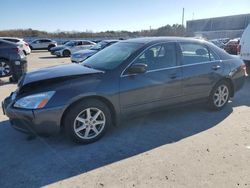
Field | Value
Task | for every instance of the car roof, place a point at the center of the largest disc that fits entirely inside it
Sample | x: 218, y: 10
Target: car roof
x: 146, y: 40
x: 43, y: 39
x: 8, y: 42
x: 11, y: 38
x: 110, y: 40
x: 81, y: 40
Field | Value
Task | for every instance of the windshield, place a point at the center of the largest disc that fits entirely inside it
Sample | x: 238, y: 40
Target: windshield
x: 111, y: 57
x: 99, y: 45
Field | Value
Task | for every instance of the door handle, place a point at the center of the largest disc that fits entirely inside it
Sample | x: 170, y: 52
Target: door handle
x: 216, y: 67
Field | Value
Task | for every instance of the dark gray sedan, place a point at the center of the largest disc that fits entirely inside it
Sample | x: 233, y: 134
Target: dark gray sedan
x: 129, y: 77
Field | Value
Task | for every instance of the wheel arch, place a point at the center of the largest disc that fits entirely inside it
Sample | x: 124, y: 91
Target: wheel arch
x: 64, y: 50
x: 100, y: 98
x: 230, y: 82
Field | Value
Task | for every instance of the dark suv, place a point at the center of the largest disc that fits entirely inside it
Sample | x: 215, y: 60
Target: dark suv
x: 124, y: 79
x: 12, y: 60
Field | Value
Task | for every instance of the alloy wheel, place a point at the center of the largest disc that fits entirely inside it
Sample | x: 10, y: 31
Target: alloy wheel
x: 221, y: 96
x: 89, y: 123
x: 4, y: 68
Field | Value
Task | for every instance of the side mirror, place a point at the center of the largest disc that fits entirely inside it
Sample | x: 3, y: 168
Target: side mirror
x: 137, y: 68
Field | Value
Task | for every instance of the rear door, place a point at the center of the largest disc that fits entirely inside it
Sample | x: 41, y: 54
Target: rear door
x: 86, y: 45
x: 45, y: 43
x: 201, y: 70
x: 159, y: 86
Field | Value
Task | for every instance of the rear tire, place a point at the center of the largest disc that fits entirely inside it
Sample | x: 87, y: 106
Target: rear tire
x: 87, y: 121
x: 219, y: 96
x: 66, y: 53
x: 5, y: 68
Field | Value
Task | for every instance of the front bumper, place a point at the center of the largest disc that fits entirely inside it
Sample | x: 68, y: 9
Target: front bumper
x: 41, y: 121
x: 57, y: 53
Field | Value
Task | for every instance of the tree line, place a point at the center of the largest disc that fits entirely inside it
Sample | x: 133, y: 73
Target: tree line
x: 168, y: 30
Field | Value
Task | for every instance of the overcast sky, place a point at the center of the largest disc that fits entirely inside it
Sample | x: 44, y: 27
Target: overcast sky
x: 102, y: 15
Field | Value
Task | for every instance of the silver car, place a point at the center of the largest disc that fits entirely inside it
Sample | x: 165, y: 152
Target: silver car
x: 70, y: 47
x: 42, y: 44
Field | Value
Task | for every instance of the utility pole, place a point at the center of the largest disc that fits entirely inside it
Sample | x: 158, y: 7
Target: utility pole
x: 183, y: 15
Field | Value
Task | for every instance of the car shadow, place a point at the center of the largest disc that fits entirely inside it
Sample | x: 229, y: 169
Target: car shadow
x: 52, y: 57
x: 39, y: 51
x: 43, y: 161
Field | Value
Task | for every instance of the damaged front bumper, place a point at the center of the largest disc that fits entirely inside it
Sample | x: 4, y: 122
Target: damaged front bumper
x: 40, y: 121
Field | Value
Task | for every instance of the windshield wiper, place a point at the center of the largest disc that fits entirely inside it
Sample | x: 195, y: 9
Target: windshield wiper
x: 87, y: 66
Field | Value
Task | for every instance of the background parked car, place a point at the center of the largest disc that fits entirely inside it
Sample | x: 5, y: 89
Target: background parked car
x: 12, y: 60
x: 218, y: 43
x: 70, y: 47
x: 22, y: 44
x: 245, y: 48
x: 42, y: 44
x: 232, y: 47
x: 223, y: 40
x: 81, y: 55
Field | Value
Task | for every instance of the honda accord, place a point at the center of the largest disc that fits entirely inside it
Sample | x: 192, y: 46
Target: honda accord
x: 132, y: 76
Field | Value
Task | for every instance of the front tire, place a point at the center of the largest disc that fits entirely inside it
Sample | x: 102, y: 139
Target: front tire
x: 219, y: 96
x: 66, y: 53
x: 87, y: 121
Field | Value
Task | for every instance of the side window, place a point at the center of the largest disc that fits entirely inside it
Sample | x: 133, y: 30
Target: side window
x: 79, y: 43
x: 46, y: 41
x: 194, y: 53
x: 86, y: 43
x: 12, y: 40
x: 159, y: 56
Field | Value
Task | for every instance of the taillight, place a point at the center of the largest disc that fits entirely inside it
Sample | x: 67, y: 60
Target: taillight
x: 26, y: 44
x: 17, y: 50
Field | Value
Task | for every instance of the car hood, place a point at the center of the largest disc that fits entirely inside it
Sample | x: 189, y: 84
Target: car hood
x: 56, y: 73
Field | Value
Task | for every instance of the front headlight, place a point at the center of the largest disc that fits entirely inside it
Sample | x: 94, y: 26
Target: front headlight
x: 35, y: 101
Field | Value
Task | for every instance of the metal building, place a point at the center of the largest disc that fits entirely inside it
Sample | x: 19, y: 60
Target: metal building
x: 219, y: 27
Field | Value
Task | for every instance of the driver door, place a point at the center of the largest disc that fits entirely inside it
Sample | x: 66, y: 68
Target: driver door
x: 159, y: 86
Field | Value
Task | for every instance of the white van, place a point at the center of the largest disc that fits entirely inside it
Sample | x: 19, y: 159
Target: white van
x: 245, y: 47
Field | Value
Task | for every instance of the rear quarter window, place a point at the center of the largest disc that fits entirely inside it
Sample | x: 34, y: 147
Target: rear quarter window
x: 220, y: 53
x: 193, y: 53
